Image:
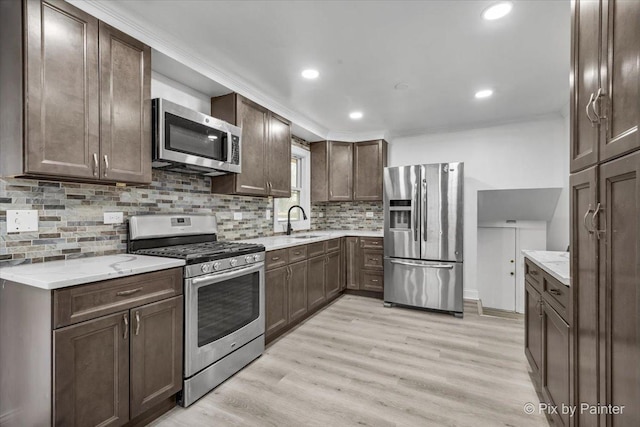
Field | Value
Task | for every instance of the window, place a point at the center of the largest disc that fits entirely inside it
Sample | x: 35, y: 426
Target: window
x: 300, y: 194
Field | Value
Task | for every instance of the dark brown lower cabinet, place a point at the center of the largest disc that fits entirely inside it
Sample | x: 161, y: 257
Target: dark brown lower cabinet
x: 276, y: 299
x: 351, y: 262
x: 533, y: 328
x: 156, y: 353
x: 297, y: 290
x: 333, y: 274
x: 555, y: 363
x: 91, y: 375
x: 364, y: 264
x: 315, y: 281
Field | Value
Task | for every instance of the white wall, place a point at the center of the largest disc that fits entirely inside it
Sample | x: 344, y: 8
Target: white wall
x: 530, y: 154
x: 164, y: 87
x: 558, y: 228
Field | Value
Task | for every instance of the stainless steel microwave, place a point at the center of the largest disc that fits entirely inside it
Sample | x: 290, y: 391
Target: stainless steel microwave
x: 186, y: 140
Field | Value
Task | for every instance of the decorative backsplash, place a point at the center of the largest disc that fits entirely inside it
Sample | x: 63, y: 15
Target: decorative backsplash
x: 71, y: 215
x: 347, y: 216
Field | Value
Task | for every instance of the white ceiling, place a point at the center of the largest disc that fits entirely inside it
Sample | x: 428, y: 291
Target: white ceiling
x: 443, y: 50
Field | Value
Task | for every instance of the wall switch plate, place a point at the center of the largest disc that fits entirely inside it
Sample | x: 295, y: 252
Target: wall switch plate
x: 237, y: 216
x: 113, y: 218
x: 268, y: 214
x: 369, y: 214
x: 23, y: 220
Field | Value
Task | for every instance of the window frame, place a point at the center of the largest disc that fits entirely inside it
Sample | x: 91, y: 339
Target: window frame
x: 304, y: 172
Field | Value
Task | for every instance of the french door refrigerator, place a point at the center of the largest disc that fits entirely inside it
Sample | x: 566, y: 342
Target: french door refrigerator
x: 423, y: 230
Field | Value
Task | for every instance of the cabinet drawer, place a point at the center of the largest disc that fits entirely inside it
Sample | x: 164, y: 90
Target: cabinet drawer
x: 297, y: 253
x: 371, y: 258
x: 533, y: 274
x: 315, y: 249
x: 84, y: 302
x: 333, y: 245
x: 278, y: 258
x: 371, y: 280
x: 557, y: 295
x: 371, y: 242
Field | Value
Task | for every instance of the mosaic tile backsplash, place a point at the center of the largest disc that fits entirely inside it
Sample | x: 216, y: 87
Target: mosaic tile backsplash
x: 347, y: 216
x: 71, y: 215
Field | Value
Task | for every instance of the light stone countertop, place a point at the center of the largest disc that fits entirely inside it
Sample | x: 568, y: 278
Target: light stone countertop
x: 283, y: 241
x: 553, y: 262
x: 60, y: 274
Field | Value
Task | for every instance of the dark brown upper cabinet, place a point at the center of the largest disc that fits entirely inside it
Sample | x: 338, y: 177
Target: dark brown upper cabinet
x: 369, y: 161
x: 77, y: 96
x: 345, y: 171
x: 266, y: 149
x: 605, y: 90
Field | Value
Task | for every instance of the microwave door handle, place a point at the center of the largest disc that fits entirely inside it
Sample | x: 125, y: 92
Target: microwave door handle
x: 210, y: 279
x: 229, y: 147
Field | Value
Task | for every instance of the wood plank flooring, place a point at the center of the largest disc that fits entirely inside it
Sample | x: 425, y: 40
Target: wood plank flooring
x: 358, y: 363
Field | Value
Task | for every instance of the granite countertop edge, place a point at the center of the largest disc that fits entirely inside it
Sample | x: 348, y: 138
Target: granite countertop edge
x: 273, y: 243
x: 61, y: 274
x: 555, y: 263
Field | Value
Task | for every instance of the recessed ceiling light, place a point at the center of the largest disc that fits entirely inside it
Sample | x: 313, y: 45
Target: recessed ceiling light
x: 484, y: 93
x: 355, y: 115
x: 401, y: 86
x: 497, y: 11
x: 310, y: 74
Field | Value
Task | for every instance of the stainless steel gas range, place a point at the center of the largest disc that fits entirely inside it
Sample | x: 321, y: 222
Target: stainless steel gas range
x: 224, y: 295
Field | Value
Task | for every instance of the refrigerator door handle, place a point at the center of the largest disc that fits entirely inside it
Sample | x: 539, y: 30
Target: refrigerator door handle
x: 440, y: 266
x: 414, y: 212
x: 425, y: 213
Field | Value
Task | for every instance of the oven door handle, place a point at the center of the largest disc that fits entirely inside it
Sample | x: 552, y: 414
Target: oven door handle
x: 218, y: 277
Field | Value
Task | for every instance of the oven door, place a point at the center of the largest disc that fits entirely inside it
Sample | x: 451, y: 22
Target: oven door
x: 223, y: 312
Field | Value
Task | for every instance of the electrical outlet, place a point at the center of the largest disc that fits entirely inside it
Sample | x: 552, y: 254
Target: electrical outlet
x: 268, y: 214
x: 237, y: 216
x: 22, y: 220
x: 369, y: 214
x: 113, y: 217
x: 321, y: 215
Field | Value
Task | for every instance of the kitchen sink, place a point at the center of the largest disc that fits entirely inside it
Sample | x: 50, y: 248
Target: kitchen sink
x: 307, y: 236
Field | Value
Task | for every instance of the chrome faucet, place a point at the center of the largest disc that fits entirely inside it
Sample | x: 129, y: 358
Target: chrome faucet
x: 304, y: 216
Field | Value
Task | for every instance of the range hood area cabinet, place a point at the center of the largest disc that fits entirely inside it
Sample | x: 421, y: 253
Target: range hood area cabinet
x: 265, y: 153
x: 76, y: 96
x: 345, y: 171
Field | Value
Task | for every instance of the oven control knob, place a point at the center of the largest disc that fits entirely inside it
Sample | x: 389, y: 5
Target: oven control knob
x: 248, y: 259
x: 233, y: 262
x: 206, y: 268
x: 216, y: 266
x: 256, y: 258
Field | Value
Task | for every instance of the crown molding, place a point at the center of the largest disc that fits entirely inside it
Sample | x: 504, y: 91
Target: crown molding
x: 112, y: 14
x: 355, y: 136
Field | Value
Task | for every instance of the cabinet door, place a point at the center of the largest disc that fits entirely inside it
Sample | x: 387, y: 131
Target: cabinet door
x: 620, y: 287
x: 279, y: 157
x: 297, y: 290
x: 61, y: 89
x: 533, y: 330
x: 555, y: 369
x: 125, y: 107
x: 91, y: 372
x: 156, y: 353
x: 276, y: 298
x: 315, y: 281
x: 333, y: 269
x: 584, y: 285
x: 586, y: 81
x: 253, y: 119
x: 369, y: 160
x: 340, y: 171
x: 352, y: 264
x: 621, y: 53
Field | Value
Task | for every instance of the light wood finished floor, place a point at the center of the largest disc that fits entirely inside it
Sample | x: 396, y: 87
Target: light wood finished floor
x: 358, y: 363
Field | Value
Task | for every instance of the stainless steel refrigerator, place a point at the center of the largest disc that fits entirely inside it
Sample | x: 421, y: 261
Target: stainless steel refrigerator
x: 423, y: 230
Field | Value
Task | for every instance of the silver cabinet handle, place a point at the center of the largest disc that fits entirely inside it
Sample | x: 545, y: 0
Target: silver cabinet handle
x: 126, y: 326
x: 597, y: 212
x: 596, y: 101
x: 106, y: 164
x: 275, y: 258
x: 95, y: 164
x: 129, y: 292
x: 439, y: 266
x: 584, y: 220
x: 541, y: 308
x: 593, y: 121
x: 555, y: 292
x: 137, y: 322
